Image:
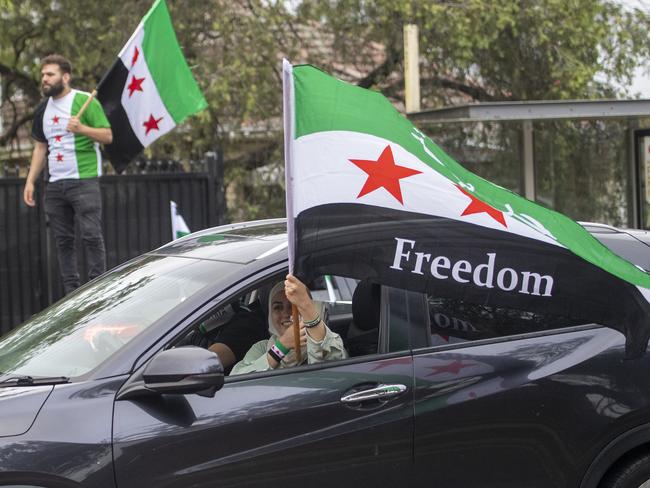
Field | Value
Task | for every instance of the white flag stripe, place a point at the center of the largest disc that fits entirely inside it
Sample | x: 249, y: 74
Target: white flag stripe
x: 140, y: 106
x: 178, y: 222
x: 138, y: 32
x: 325, y: 175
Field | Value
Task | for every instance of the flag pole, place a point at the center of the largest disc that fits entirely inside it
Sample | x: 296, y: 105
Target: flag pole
x: 296, y: 332
x: 86, y: 103
x: 93, y: 94
x: 287, y: 105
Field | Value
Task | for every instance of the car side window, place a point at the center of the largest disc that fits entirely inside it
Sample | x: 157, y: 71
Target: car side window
x: 350, y: 310
x: 353, y: 312
x: 231, y: 328
x: 453, y: 320
x: 406, y: 319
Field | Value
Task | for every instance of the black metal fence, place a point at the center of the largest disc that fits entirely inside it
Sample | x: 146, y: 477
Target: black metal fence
x: 137, y: 218
x: 23, y: 251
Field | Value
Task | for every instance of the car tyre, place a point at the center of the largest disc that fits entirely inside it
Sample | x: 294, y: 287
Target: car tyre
x: 633, y: 474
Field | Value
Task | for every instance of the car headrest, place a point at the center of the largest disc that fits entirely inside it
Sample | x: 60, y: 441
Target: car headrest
x: 365, y: 305
x: 263, y: 298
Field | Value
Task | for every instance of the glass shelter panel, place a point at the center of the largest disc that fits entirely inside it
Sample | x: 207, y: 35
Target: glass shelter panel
x: 582, y: 169
x: 492, y: 150
x: 644, y: 177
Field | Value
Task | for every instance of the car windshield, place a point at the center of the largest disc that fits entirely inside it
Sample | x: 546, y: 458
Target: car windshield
x: 81, y: 331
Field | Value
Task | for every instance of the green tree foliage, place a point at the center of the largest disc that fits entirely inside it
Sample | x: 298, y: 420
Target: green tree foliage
x: 89, y: 33
x: 497, y: 49
x: 475, y: 50
x: 470, y: 50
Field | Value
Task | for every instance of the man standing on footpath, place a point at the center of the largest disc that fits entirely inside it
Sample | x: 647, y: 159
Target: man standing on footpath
x: 74, y: 162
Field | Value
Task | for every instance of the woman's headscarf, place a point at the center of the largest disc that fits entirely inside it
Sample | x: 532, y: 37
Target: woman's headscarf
x: 290, y: 359
x: 279, y: 286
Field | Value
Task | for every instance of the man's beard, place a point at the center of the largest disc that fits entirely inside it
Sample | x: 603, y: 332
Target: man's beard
x: 53, y: 90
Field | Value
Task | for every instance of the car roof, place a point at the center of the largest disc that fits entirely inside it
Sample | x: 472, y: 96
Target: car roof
x: 236, y: 243
x: 630, y: 244
x: 250, y: 241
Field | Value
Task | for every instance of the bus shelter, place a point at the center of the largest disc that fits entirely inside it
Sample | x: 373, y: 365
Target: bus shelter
x: 589, y: 159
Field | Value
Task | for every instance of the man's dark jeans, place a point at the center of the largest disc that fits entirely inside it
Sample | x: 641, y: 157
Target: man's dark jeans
x: 65, y: 201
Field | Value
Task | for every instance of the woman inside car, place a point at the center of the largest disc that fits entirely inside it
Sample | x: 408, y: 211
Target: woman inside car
x: 318, y: 343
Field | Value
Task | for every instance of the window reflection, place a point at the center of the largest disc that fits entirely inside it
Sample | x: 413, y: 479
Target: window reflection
x: 455, y: 320
x: 81, y: 331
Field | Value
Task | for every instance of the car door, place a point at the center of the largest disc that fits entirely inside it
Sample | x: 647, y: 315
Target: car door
x: 288, y: 427
x: 510, y: 399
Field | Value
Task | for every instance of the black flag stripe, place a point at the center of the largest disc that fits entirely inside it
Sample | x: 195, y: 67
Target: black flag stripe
x: 454, y: 259
x: 126, y: 145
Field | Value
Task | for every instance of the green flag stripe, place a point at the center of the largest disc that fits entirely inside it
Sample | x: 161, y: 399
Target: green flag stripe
x: 323, y: 103
x: 83, y: 146
x: 171, y: 74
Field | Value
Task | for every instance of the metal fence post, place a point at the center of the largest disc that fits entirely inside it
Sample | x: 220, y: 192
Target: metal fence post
x: 216, y: 191
x: 46, y: 246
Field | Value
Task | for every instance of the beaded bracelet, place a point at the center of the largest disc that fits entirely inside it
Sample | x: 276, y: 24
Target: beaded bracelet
x: 312, y: 323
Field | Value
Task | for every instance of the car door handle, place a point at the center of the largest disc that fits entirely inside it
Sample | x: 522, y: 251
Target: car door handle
x: 380, y: 392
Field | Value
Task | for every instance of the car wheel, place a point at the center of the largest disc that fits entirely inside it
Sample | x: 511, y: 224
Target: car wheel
x: 633, y: 474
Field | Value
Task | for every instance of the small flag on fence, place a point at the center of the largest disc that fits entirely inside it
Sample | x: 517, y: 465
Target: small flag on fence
x: 179, y: 227
x: 150, y: 88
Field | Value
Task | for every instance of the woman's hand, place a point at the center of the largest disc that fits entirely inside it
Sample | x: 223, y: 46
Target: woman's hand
x: 298, y: 295
x: 287, y: 337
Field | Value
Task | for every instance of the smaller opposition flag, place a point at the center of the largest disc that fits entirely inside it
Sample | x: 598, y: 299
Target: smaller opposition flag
x: 179, y: 227
x: 150, y: 88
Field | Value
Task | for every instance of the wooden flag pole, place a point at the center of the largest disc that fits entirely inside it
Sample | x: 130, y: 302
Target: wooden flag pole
x: 296, y: 333
x: 86, y: 103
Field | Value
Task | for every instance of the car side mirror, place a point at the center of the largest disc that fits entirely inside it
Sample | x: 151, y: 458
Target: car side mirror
x: 184, y: 370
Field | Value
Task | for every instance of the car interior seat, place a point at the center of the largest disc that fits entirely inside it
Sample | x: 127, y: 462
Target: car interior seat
x: 363, y: 333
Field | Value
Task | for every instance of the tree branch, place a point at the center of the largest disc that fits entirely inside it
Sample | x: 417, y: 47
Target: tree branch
x: 29, y: 86
x: 381, y: 71
x: 11, y: 132
x: 477, y: 93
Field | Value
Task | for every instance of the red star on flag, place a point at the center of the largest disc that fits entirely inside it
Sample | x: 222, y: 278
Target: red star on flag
x: 135, y: 85
x: 151, y: 124
x: 136, y: 53
x: 384, y: 173
x: 477, y: 206
x: 58, y: 138
x: 59, y: 157
x: 55, y: 119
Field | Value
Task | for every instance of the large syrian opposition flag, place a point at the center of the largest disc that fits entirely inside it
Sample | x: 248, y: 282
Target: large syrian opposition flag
x: 149, y: 90
x: 371, y: 197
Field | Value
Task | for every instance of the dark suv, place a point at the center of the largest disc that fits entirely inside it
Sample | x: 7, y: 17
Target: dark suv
x: 103, y: 390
